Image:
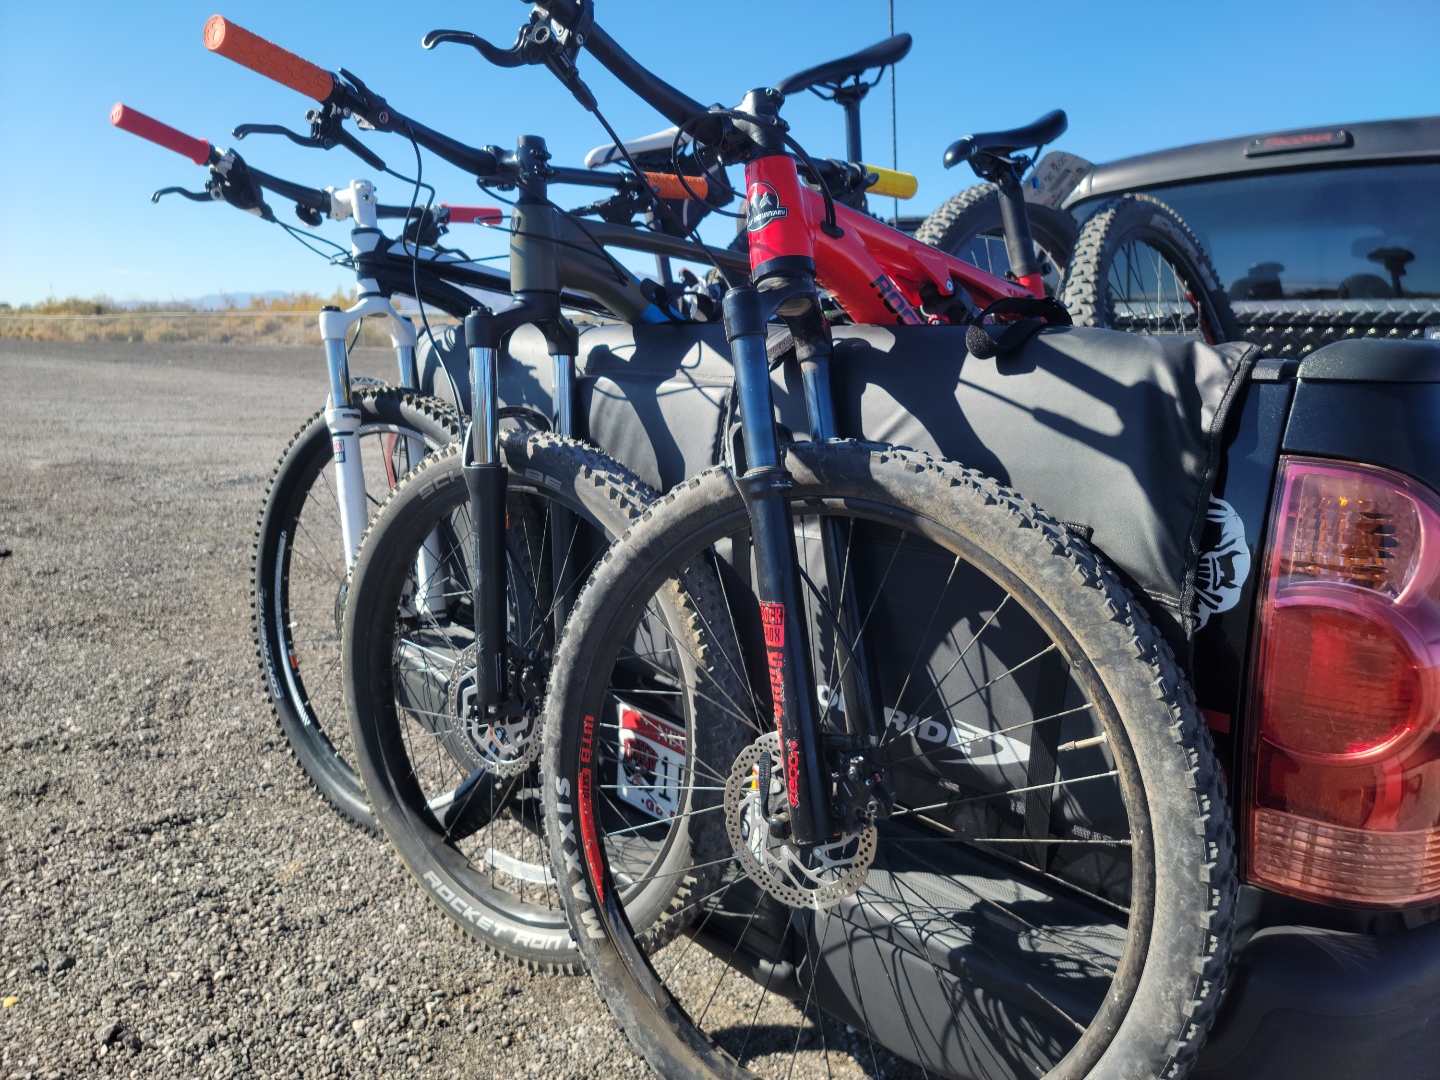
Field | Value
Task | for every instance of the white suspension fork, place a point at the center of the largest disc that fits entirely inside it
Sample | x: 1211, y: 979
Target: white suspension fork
x: 343, y: 420
x: 430, y: 589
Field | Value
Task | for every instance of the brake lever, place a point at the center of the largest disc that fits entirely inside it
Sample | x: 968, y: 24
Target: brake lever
x: 274, y: 129
x: 505, y: 58
x: 193, y: 196
x: 327, y: 129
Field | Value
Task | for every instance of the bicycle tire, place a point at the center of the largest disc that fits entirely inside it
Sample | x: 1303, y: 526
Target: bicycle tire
x: 1160, y: 998
x: 968, y: 226
x: 309, y: 719
x: 1138, y: 267
x: 476, y: 866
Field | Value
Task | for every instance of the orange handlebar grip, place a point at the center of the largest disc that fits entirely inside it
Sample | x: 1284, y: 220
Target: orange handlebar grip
x: 668, y: 186
x: 254, y: 52
x: 147, y: 127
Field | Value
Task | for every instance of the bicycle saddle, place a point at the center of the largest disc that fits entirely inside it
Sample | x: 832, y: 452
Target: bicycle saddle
x: 999, y: 143
x: 889, y: 51
x: 609, y: 154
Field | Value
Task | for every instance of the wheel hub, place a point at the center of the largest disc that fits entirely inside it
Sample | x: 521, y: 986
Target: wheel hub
x: 818, y: 878
x: 506, y: 743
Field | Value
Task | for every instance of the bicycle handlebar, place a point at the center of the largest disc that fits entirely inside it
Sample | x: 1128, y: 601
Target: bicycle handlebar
x: 252, y: 51
x: 265, y: 57
x: 147, y: 127
x: 670, y: 102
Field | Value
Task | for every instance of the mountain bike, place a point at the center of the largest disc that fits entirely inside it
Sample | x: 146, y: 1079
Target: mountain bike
x: 963, y: 814
x: 447, y: 659
x: 324, y: 489
x: 325, y: 486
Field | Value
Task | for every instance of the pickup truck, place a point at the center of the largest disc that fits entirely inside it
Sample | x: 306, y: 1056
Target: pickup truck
x: 1322, y: 234
x: 1312, y: 641
x: 1328, y: 239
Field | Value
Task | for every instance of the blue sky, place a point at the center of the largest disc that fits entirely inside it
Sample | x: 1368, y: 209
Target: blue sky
x: 75, y: 216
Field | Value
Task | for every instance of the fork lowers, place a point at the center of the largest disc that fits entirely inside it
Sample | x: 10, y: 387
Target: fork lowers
x: 765, y: 485
x: 486, y: 481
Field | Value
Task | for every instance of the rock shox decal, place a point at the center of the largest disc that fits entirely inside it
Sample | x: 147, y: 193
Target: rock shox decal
x: 772, y: 618
x: 762, y: 206
x: 586, y: 795
x: 792, y: 772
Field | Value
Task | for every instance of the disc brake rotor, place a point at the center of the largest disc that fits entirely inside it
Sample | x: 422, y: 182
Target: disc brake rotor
x: 831, y: 872
x: 504, y: 745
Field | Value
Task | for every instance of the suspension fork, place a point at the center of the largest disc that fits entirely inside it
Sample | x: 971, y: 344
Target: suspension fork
x: 858, y: 689
x: 486, y: 481
x: 343, y: 421
x: 765, y: 487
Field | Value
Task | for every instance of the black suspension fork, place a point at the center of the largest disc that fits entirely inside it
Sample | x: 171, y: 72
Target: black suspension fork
x: 856, y: 684
x: 765, y: 486
x: 486, y: 482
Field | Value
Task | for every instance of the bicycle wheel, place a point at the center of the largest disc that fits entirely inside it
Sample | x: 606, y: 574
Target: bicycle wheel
x: 457, y: 797
x: 967, y: 225
x: 299, y: 579
x: 1051, y: 889
x: 1138, y: 267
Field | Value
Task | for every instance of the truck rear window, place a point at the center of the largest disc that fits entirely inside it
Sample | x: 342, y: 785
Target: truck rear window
x: 1365, y: 233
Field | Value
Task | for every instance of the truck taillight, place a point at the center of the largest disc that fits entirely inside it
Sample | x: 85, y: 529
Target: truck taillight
x: 1346, y: 687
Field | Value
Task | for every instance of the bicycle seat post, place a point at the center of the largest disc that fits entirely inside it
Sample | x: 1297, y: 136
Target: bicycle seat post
x: 1015, y: 221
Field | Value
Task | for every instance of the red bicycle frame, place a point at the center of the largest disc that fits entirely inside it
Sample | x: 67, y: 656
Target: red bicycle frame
x: 877, y: 274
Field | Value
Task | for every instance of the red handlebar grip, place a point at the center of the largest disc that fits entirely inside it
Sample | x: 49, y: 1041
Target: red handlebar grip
x: 252, y: 51
x: 669, y: 186
x: 147, y: 127
x: 474, y: 215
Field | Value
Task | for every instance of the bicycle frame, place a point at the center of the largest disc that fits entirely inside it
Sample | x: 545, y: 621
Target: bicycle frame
x: 877, y: 274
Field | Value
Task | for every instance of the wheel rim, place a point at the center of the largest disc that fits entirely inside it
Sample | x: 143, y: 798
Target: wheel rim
x: 987, y: 252
x: 947, y: 898
x: 307, y: 587
x: 1148, y: 291
x: 485, y: 830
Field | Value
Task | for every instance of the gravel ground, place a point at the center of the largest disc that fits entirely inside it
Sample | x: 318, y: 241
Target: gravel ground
x: 174, y: 900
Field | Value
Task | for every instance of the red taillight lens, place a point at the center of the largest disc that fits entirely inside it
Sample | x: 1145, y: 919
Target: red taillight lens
x: 1346, y: 795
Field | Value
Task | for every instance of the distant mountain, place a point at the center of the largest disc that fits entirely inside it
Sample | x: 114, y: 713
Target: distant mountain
x: 214, y: 301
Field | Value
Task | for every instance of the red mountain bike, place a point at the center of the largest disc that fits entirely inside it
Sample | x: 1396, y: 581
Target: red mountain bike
x: 963, y: 813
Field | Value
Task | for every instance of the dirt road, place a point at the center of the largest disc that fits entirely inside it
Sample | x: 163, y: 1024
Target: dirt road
x: 174, y: 900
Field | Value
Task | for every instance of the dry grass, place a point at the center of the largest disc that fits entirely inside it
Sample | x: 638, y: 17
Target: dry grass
x: 291, y: 319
